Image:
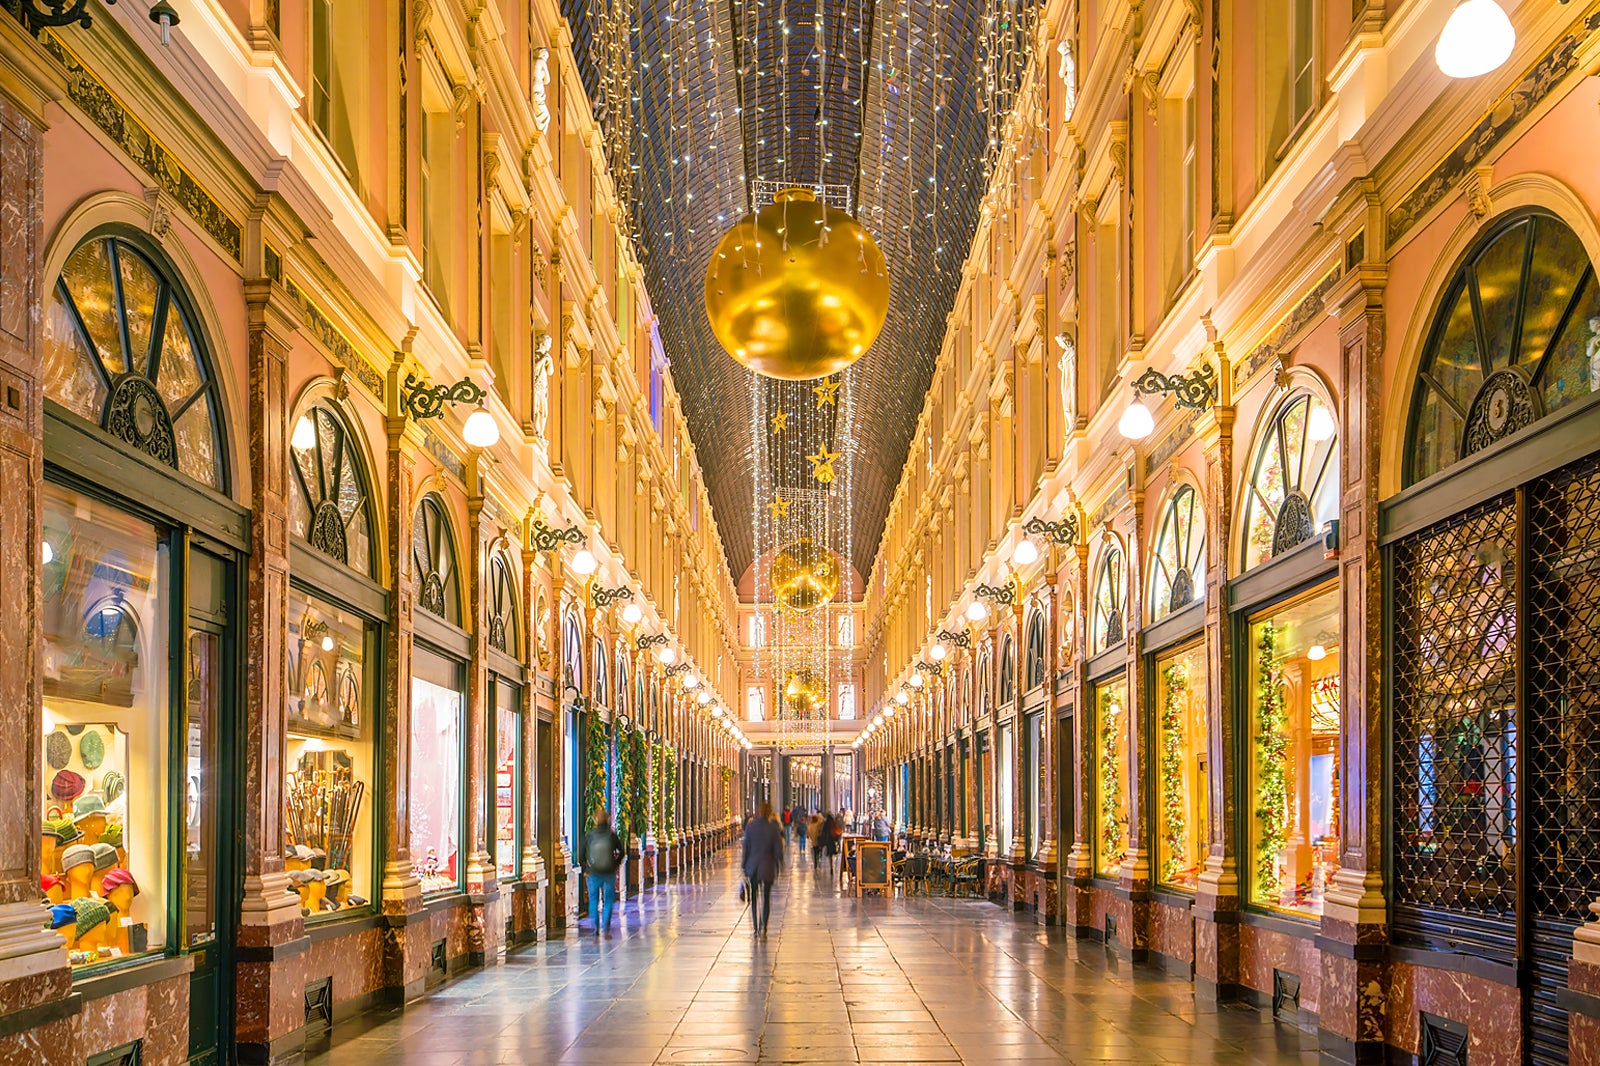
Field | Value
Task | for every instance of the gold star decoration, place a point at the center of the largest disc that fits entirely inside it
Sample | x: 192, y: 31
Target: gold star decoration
x: 822, y: 463
x: 827, y: 392
x: 779, y: 508
x: 780, y: 421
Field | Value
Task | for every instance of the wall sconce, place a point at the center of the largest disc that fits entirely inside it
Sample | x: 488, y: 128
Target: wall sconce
x: 659, y: 640
x: 1005, y: 594
x: 633, y: 614
x: 604, y: 597
x: 672, y: 671
x: 545, y: 539
x: 423, y: 401
x: 1061, y: 534
x: 960, y: 640
x: 1196, y: 391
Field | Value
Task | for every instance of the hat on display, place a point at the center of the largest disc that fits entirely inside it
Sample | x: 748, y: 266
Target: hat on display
x: 105, y: 856
x: 111, y: 785
x: 77, y: 855
x: 62, y: 914
x: 112, y: 835
x: 305, y: 877
x: 319, y: 858
x: 356, y: 901
x: 63, y: 829
x: 87, y: 805
x: 91, y: 913
x: 58, y: 750
x: 67, y: 786
x: 118, y: 877
x: 49, y: 881
x: 300, y: 852
x: 336, y: 877
x: 92, y: 749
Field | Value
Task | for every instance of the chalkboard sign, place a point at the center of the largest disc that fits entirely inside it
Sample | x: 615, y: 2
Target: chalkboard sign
x: 872, y: 860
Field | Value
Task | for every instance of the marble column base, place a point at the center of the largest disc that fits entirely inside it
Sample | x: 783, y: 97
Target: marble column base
x: 528, y: 916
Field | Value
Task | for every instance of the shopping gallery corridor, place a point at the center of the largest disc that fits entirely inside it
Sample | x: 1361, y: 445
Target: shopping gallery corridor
x: 838, y: 979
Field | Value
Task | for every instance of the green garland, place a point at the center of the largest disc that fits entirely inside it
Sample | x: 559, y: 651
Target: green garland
x: 727, y: 794
x: 634, y: 802
x: 669, y: 789
x: 1111, y: 827
x: 594, y: 771
x: 1272, y: 775
x: 1174, y: 829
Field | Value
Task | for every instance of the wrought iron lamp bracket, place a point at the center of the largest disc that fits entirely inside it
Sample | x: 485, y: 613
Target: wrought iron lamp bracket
x: 1062, y: 534
x: 1005, y: 595
x: 604, y: 597
x: 962, y: 639
x: 1196, y: 390
x: 423, y: 401
x: 545, y: 539
x: 655, y: 641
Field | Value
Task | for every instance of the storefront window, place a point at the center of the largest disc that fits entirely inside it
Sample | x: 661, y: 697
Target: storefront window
x: 1294, y: 724
x: 107, y: 728
x: 1035, y: 789
x: 1003, y: 800
x: 1181, y: 770
x: 1106, y: 623
x: 1294, y: 482
x: 1111, y: 776
x: 328, y: 811
x: 507, y: 764
x: 436, y: 772
x: 1178, y: 564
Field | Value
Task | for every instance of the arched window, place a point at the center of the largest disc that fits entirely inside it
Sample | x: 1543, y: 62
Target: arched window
x: 602, y: 690
x: 433, y: 551
x: 1178, y: 564
x: 1034, y: 670
x: 1106, y: 629
x: 571, y: 652
x: 985, y: 685
x: 1515, y: 339
x: 622, y: 682
x: 1008, y: 672
x: 504, y: 632
x: 1294, y: 480
x: 121, y: 350
x: 328, y: 504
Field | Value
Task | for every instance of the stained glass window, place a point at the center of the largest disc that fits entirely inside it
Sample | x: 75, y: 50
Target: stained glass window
x: 121, y: 350
x: 1294, y: 481
x: 1008, y: 673
x: 601, y: 689
x: 434, y: 553
x: 328, y: 503
x: 1178, y: 564
x: 1034, y: 671
x: 1517, y: 336
x: 571, y: 651
x: 504, y: 633
x: 1106, y: 625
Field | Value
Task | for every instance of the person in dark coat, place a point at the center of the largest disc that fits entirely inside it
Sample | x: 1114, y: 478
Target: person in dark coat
x: 601, y: 855
x: 763, y: 858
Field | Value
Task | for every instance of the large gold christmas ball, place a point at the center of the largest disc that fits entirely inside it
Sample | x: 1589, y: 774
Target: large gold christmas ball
x: 798, y: 290
x: 802, y: 692
x: 804, y: 576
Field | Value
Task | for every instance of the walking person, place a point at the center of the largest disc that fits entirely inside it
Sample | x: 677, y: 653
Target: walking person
x: 602, y: 855
x: 814, y: 830
x: 762, y: 849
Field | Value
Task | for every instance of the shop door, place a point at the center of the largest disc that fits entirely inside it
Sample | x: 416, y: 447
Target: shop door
x: 209, y: 900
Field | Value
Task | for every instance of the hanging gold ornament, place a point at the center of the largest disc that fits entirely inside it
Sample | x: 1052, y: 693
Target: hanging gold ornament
x: 798, y: 290
x: 804, y: 576
x: 803, y: 693
x: 822, y: 464
x: 780, y: 421
x: 827, y: 393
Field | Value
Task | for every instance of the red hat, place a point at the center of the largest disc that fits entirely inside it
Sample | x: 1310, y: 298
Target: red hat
x: 116, y: 878
x: 49, y: 881
x: 67, y: 786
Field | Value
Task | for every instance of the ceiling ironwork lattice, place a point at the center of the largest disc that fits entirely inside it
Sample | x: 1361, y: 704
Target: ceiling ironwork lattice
x: 895, y: 102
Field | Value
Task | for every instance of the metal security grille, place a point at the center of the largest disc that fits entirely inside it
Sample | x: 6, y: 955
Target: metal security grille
x: 1563, y: 663
x: 1454, y: 701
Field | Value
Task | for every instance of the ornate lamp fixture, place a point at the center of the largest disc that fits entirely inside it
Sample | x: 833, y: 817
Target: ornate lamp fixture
x: 962, y: 639
x: 423, y: 401
x: 1196, y: 391
x: 931, y: 668
x: 1477, y: 38
x: 52, y: 14
x: 1005, y: 595
x: 1061, y: 534
x: 544, y: 539
x: 658, y: 640
x: 604, y: 597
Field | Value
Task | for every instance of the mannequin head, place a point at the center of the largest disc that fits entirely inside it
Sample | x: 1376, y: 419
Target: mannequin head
x: 77, y: 863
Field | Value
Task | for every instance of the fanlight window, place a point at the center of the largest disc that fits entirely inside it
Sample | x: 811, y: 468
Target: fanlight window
x: 1294, y: 482
x: 121, y: 351
x: 1008, y: 673
x: 571, y: 652
x: 622, y: 684
x: 601, y: 689
x: 1107, y: 623
x: 1034, y: 673
x: 985, y: 685
x: 503, y: 629
x: 1517, y: 337
x: 328, y: 503
x: 434, y: 554
x: 1178, y: 567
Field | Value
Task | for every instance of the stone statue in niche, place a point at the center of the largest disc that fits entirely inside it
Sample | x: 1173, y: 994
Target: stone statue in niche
x: 1068, y: 73
x: 541, y: 78
x: 1068, y: 363
x: 544, y: 365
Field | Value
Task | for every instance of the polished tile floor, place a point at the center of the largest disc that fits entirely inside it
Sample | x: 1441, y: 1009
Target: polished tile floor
x: 837, y: 980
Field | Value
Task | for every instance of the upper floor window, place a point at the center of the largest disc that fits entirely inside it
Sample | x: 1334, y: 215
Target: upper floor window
x: 334, y: 96
x: 1289, y: 88
x: 602, y: 690
x: 433, y: 551
x: 1516, y: 337
x: 329, y: 505
x: 121, y: 350
x: 1106, y: 624
x: 1294, y: 480
x: 571, y: 651
x: 1178, y: 563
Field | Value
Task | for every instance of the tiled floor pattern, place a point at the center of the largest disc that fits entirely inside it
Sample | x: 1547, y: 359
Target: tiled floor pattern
x: 837, y: 981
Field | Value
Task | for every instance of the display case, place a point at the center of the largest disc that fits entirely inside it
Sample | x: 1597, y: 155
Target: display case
x: 1294, y: 728
x: 435, y: 786
x: 107, y: 791
x: 329, y: 793
x: 506, y: 775
x: 1111, y: 775
x: 1182, y: 731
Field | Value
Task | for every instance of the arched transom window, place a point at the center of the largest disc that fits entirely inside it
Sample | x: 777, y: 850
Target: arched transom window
x: 1517, y: 337
x: 1034, y: 672
x: 602, y: 690
x: 121, y: 350
x: 1294, y: 481
x: 434, y: 553
x: 504, y: 632
x: 1107, y: 624
x: 571, y: 651
x: 328, y: 501
x: 1178, y: 564
x: 1008, y: 672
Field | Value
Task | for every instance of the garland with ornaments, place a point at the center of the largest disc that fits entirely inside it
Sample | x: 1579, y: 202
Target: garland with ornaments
x: 595, y: 750
x: 1174, y: 828
x: 634, y: 799
x: 1272, y: 773
x: 1111, y: 814
x: 669, y: 789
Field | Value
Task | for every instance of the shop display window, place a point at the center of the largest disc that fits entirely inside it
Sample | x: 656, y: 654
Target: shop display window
x: 1181, y: 733
x: 507, y: 763
x: 1111, y: 776
x: 436, y: 772
x: 1294, y: 726
x: 1005, y: 783
x: 108, y: 729
x: 328, y: 794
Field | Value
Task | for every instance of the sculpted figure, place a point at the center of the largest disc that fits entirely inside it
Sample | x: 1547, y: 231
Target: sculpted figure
x: 543, y: 366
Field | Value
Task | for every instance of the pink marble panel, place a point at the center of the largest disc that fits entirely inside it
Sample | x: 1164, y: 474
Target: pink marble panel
x: 354, y: 961
x: 1263, y: 950
x: 1172, y: 932
x: 48, y: 1045
x: 1491, y: 1012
